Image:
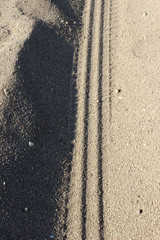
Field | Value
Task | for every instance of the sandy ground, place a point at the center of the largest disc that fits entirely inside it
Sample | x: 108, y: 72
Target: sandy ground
x: 79, y: 120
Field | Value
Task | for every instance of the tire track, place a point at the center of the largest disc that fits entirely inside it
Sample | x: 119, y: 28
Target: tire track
x: 86, y: 207
x: 109, y: 46
x: 85, y: 175
x: 100, y: 127
x: 93, y: 195
x: 75, y: 196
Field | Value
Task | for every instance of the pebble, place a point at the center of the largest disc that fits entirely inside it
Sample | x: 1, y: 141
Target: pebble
x: 66, y: 22
x: 31, y: 144
x: 4, y: 183
x: 6, y: 92
x: 26, y: 209
x: 51, y: 237
x: 120, y: 97
x: 145, y: 14
x: 117, y: 91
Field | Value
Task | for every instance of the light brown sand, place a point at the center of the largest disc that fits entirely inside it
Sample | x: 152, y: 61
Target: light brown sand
x: 80, y: 79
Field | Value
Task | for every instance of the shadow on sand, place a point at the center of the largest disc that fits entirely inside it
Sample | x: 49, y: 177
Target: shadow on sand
x: 36, y: 179
x: 66, y: 8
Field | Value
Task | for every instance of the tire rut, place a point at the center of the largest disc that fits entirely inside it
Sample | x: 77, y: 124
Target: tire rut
x: 86, y: 207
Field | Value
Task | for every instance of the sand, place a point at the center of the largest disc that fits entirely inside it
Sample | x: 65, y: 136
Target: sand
x: 79, y: 119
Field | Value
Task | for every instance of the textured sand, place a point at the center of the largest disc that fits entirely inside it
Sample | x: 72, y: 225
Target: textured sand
x: 79, y: 120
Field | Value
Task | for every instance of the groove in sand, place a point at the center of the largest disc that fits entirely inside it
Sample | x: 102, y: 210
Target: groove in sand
x: 86, y: 216
x: 75, y: 196
x: 92, y: 199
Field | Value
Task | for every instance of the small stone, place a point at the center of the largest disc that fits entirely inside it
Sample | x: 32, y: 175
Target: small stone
x: 26, y: 209
x: 145, y: 14
x: 120, y: 97
x: 117, y: 91
x: 66, y: 22
x: 140, y: 211
x: 4, y: 183
x: 31, y: 144
x: 6, y: 92
x: 51, y: 237
x: 74, y: 22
